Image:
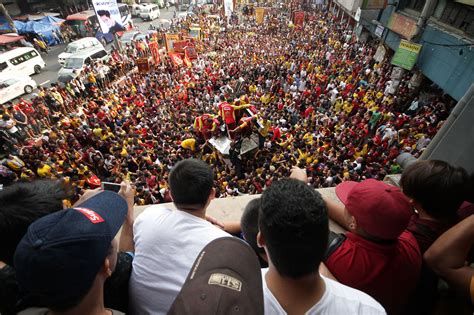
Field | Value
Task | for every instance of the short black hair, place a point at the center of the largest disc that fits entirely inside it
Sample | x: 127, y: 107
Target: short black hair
x: 191, y: 182
x: 103, y: 12
x: 249, y: 226
x: 439, y: 187
x: 23, y: 203
x: 293, y: 220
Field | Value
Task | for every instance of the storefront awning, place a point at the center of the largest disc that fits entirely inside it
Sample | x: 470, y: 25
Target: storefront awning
x: 6, y: 39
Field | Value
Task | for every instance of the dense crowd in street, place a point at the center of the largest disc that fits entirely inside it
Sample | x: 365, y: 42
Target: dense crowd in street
x: 320, y: 111
x: 321, y: 101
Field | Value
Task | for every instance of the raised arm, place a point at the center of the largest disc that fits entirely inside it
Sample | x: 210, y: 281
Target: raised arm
x: 126, y: 243
x: 447, y: 256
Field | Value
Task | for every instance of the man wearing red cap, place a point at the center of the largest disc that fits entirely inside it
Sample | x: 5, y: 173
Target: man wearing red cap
x: 377, y: 255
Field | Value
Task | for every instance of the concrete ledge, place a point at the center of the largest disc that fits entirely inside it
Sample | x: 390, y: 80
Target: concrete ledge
x: 231, y: 208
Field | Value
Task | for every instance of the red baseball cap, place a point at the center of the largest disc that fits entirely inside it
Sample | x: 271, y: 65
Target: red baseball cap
x: 382, y: 210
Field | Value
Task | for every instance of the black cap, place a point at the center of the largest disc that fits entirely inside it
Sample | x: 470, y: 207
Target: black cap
x: 224, y: 279
x: 61, y: 253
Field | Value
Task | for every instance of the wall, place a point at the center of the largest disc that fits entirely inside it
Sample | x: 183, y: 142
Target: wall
x: 350, y: 5
x: 451, y: 71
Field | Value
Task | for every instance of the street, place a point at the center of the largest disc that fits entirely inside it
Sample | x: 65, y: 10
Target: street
x: 50, y: 74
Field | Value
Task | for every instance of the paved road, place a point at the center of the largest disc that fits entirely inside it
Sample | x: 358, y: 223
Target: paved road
x: 50, y: 74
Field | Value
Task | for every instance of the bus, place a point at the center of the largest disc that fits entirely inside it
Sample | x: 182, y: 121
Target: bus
x: 86, y: 24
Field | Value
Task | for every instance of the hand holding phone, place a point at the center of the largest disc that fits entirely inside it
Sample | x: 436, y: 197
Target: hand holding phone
x: 111, y: 186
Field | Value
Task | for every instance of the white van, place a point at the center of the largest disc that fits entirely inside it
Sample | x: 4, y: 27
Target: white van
x: 150, y: 12
x: 14, y: 85
x: 135, y: 9
x: 24, y: 60
x: 78, y: 46
x: 76, y: 63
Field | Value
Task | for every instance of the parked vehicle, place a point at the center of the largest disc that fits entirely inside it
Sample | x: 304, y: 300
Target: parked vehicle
x: 184, y: 5
x: 135, y: 9
x: 78, y: 46
x: 128, y: 37
x: 150, y: 12
x: 13, y: 85
x: 185, y: 15
x: 24, y: 60
x: 76, y: 63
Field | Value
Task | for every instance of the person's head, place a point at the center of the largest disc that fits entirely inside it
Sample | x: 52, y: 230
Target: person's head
x: 191, y: 184
x: 23, y: 203
x: 436, y: 187
x: 375, y: 210
x: 293, y: 223
x: 105, y: 17
x: 249, y: 225
x: 66, y: 254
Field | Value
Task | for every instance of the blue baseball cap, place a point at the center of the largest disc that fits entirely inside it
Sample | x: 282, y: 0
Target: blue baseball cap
x: 60, y: 255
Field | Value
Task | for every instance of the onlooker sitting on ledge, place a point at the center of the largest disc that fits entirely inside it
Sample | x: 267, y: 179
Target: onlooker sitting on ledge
x: 168, y: 241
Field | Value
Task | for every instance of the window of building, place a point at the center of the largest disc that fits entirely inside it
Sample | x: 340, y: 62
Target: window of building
x: 460, y: 16
x: 416, y: 5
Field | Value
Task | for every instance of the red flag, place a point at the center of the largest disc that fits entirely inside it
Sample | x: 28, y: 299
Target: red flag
x: 176, y: 59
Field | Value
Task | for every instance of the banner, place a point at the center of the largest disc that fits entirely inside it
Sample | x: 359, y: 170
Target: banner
x: 180, y: 45
x: 190, y: 53
x: 155, y: 52
x: 406, y: 55
x: 195, y: 32
x: 143, y: 65
x: 108, y: 14
x: 188, y: 62
x: 259, y: 15
x: 298, y: 18
x: 169, y: 41
x: 176, y: 58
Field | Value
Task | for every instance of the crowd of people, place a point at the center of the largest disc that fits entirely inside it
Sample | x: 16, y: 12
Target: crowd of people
x: 320, y: 99
x: 321, y: 113
x: 64, y: 259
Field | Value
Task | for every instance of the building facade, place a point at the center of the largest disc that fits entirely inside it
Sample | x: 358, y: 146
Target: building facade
x: 443, y: 28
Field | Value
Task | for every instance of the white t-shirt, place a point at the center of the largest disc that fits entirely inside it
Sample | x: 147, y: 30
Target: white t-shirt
x: 167, y: 243
x: 337, y: 299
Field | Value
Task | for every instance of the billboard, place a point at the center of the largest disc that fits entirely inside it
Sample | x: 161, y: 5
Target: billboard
x: 108, y: 14
x: 406, y: 55
x: 402, y: 25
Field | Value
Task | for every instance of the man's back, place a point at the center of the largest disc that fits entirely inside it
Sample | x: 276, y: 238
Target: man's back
x: 166, y: 244
x: 337, y: 299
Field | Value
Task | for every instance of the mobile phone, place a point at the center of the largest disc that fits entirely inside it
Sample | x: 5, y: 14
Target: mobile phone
x: 111, y: 186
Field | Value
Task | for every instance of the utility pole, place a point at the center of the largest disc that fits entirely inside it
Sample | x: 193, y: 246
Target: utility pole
x: 4, y: 12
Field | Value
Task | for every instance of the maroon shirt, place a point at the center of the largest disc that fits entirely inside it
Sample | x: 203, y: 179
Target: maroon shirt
x: 425, y: 231
x: 387, y: 272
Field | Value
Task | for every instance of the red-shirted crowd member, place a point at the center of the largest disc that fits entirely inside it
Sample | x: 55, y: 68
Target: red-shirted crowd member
x: 377, y: 255
x: 205, y: 125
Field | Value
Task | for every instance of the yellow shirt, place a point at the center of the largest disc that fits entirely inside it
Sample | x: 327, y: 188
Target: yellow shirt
x: 44, y: 171
x: 189, y: 144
